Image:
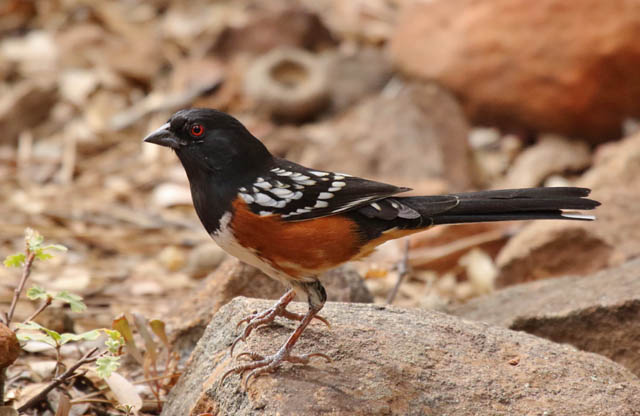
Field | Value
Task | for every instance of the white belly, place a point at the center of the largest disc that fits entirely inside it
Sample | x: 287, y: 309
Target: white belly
x: 225, y: 239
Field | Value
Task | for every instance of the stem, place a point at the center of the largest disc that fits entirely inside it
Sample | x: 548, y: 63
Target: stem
x: 87, y: 358
x: 26, y: 271
x: 58, y: 359
x: 403, y: 271
x: 3, y: 376
x: 42, y: 307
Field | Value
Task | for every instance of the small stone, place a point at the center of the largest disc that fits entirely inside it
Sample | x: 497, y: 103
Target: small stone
x: 172, y: 258
x: 204, y: 259
x: 9, y: 346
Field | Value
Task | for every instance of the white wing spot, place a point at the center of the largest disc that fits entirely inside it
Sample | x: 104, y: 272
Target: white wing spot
x: 334, y: 189
x: 247, y: 198
x: 260, y: 179
x: 338, y: 177
x: 265, y: 200
x: 393, y: 204
x: 338, y: 184
x: 263, y: 185
x: 321, y: 204
x: 325, y: 195
x: 376, y: 206
x: 302, y: 210
x: 297, y: 195
x: 307, y: 182
x: 265, y: 213
x: 282, y: 193
x: 243, y: 189
x: 296, y: 186
x: 281, y: 203
x: 318, y: 173
x: 284, y: 173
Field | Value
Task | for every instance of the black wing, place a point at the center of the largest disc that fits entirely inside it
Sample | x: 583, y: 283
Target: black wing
x: 298, y: 193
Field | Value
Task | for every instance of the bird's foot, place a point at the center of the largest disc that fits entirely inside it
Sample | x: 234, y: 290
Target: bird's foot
x: 267, y: 316
x: 261, y: 364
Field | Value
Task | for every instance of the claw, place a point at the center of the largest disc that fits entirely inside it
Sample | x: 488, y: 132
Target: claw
x: 264, y: 364
x: 321, y: 355
x: 251, y: 355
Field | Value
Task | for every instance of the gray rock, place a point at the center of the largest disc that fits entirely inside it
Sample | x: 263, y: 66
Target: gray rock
x: 392, y: 361
x: 234, y: 278
x: 598, y: 313
x: 559, y: 248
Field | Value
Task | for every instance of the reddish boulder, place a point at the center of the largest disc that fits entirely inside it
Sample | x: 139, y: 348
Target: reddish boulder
x: 569, y: 67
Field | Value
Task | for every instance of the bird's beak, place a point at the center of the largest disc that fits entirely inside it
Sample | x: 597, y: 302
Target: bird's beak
x: 164, y: 137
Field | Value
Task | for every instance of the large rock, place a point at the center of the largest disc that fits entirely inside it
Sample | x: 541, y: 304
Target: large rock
x: 556, y: 248
x: 409, y: 132
x: 391, y: 361
x: 598, y: 313
x: 550, y: 155
x: 23, y: 107
x: 569, y: 67
x: 234, y: 278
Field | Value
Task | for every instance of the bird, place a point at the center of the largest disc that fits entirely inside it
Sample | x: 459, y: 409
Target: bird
x: 293, y: 222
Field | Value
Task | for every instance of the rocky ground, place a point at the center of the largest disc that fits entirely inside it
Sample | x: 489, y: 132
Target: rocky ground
x: 440, y: 96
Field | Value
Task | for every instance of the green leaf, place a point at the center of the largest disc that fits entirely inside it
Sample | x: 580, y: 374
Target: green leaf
x: 24, y: 336
x: 115, y: 341
x: 37, y: 292
x: 107, y: 365
x: 34, y: 239
x: 15, y: 260
x: 58, y: 247
x: 74, y: 301
x: 40, y: 255
x: 37, y: 332
x: 85, y: 336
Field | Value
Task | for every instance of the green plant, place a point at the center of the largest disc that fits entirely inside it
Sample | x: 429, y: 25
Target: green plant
x: 107, y: 361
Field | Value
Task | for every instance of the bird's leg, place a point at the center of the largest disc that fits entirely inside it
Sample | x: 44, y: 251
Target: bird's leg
x: 261, y: 364
x: 269, y: 315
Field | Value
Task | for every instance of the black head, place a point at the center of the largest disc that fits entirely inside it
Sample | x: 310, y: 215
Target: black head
x: 210, y: 142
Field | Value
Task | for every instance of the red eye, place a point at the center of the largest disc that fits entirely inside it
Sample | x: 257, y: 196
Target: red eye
x: 197, y: 130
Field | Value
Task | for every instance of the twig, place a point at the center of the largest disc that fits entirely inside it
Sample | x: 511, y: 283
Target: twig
x: 26, y: 271
x: 3, y: 376
x: 42, y: 307
x: 87, y: 358
x: 403, y: 270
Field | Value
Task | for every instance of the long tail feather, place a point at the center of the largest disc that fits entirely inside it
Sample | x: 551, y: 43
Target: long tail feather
x: 505, y: 205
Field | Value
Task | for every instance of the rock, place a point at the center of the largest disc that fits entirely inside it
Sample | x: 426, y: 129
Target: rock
x: 290, y: 84
x: 9, y: 347
x: 355, y: 75
x: 170, y: 194
x: 550, y: 155
x: 233, y: 279
x: 412, y: 132
x: 598, y: 313
x: 14, y: 15
x: 394, y: 361
x: 204, y: 258
x: 556, y: 248
x: 26, y: 105
x: 293, y: 27
x: 550, y: 249
x: 534, y: 65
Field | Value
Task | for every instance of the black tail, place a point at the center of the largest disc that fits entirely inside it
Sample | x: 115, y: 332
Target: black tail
x: 504, y: 205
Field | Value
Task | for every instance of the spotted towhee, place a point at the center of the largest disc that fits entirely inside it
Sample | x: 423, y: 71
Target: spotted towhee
x: 293, y: 222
